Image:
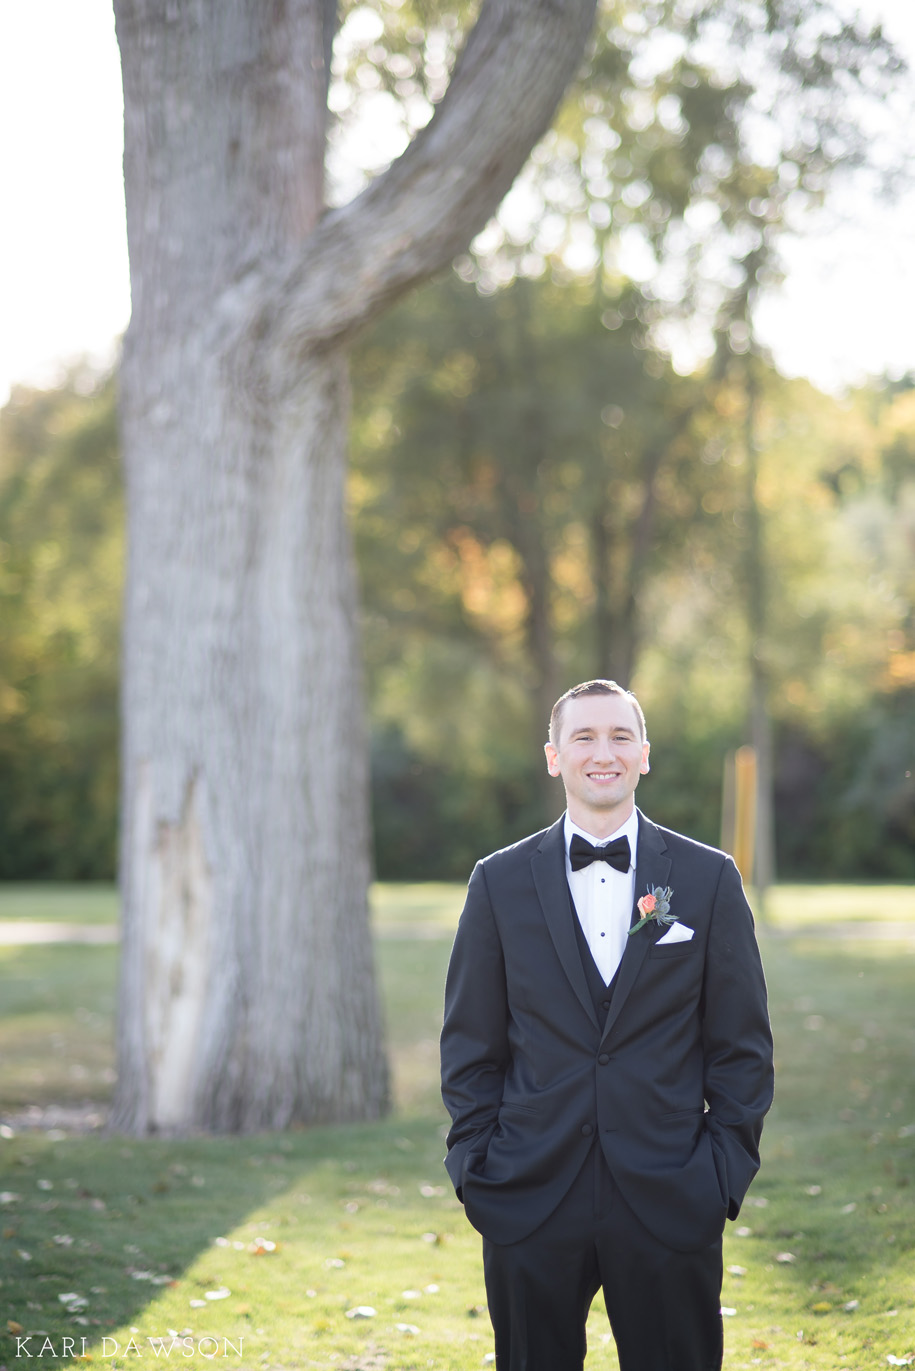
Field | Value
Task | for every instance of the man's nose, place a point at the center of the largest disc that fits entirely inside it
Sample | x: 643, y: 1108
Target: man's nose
x: 603, y: 747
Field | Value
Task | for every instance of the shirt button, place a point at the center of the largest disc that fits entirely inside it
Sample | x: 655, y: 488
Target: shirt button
x: 586, y: 1130
x: 605, y: 1004
x: 603, y: 1059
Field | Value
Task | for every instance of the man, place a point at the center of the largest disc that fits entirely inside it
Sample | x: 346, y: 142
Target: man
x: 607, y: 1064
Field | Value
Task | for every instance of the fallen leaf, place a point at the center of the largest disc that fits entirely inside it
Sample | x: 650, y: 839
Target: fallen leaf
x: 407, y: 1328
x: 785, y: 1257
x: 362, y: 1311
x: 73, y: 1300
x: 821, y: 1307
x: 222, y: 1293
x: 737, y: 1270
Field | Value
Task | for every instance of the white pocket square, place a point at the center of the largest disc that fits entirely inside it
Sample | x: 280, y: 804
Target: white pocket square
x: 677, y: 933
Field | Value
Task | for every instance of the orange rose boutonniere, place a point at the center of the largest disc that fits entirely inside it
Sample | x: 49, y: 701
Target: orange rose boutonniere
x: 655, y: 906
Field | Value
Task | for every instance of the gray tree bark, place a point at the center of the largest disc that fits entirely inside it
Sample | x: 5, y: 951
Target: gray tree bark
x: 247, y: 992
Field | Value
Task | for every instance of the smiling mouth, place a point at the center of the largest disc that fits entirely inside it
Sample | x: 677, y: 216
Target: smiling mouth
x: 604, y: 775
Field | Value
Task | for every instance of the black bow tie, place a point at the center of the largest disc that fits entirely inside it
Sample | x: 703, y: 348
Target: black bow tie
x: 581, y: 853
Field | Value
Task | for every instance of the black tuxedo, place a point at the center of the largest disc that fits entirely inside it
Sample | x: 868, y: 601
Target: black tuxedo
x: 534, y: 1075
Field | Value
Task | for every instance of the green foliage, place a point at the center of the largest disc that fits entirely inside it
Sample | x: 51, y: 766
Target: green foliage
x: 61, y: 547
x: 507, y: 447
x: 538, y: 495
x: 515, y: 442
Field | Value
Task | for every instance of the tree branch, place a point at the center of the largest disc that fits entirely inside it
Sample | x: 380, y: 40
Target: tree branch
x: 415, y: 217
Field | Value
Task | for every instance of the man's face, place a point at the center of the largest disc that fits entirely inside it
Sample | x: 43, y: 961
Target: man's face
x: 600, y: 756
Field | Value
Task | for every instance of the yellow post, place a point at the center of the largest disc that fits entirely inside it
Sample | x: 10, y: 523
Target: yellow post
x: 728, y: 801
x: 745, y: 811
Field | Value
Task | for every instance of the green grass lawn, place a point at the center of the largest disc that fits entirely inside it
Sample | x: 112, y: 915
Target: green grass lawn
x: 89, y: 903
x: 271, y: 1241
x: 433, y: 906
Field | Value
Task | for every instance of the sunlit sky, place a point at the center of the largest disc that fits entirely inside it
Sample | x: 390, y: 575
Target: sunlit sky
x: 846, y: 309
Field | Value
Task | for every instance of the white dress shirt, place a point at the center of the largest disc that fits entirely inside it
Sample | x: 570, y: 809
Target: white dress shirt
x: 604, y: 896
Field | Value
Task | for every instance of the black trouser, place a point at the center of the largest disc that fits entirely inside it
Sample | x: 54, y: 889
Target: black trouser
x: 663, y: 1306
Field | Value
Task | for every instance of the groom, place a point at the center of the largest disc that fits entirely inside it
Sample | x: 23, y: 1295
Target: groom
x: 606, y: 1062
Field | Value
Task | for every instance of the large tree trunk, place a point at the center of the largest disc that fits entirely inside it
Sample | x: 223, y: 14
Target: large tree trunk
x: 245, y: 832
x: 247, y: 993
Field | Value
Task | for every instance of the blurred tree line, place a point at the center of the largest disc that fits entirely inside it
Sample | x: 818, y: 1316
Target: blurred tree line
x: 534, y: 498
x: 538, y: 494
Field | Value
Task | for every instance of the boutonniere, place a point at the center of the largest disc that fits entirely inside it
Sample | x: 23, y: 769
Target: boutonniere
x: 654, y: 907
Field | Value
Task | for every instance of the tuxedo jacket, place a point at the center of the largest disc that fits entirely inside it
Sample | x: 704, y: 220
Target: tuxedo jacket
x: 673, y: 1082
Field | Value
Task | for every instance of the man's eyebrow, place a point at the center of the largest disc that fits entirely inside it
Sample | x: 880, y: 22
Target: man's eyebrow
x: 589, y: 728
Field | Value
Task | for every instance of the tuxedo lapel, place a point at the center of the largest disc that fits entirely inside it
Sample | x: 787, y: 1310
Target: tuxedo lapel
x: 652, y: 868
x: 548, y: 867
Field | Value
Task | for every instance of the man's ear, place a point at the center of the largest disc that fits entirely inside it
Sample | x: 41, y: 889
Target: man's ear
x: 552, y: 759
x: 645, y: 765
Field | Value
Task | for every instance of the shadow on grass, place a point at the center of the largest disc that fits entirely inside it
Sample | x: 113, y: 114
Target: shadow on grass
x: 114, y: 1223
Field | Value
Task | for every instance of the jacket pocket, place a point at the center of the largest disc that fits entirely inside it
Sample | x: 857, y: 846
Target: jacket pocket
x: 686, y: 949
x: 515, y: 1107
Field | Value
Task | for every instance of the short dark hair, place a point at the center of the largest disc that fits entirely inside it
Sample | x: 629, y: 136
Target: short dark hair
x: 598, y: 687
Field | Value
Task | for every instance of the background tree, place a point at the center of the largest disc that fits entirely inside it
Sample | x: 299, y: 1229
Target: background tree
x: 245, y: 847
x: 61, y: 553
x: 697, y: 137
x: 451, y: 712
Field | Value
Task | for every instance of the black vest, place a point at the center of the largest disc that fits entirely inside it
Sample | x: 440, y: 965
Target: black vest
x: 601, y: 994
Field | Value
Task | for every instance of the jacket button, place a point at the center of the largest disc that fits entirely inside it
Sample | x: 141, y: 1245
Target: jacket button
x: 603, y: 1059
x: 586, y: 1130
